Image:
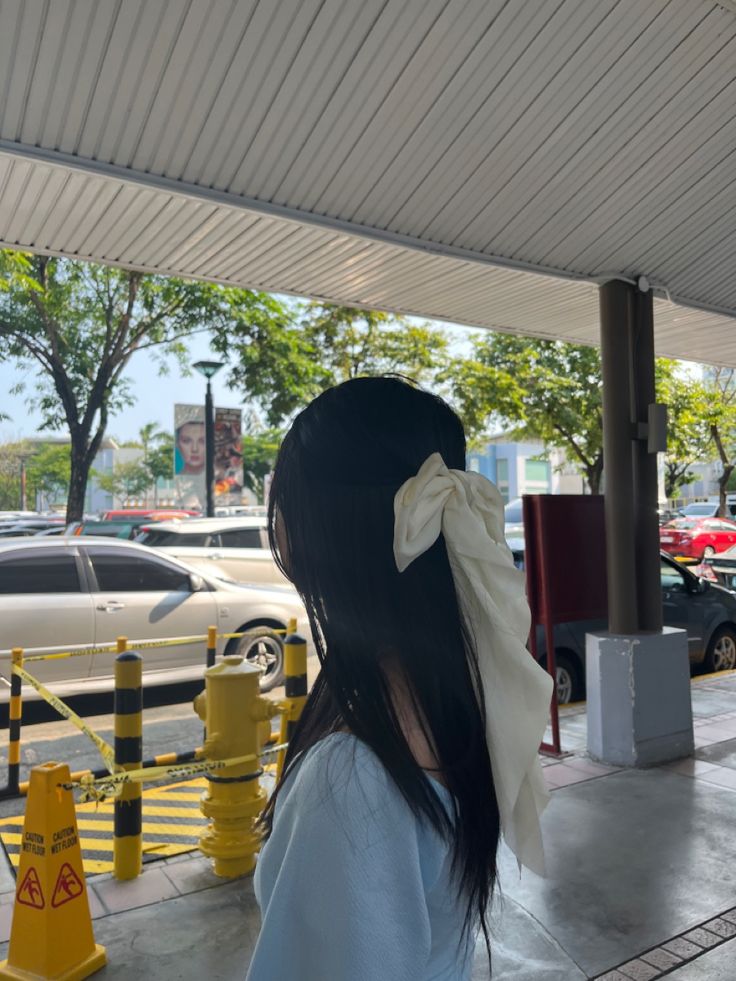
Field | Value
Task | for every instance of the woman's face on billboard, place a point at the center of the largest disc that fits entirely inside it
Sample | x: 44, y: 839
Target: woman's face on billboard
x: 191, y: 443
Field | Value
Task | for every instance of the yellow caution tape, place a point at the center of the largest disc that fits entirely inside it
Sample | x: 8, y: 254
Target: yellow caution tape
x: 101, y: 788
x: 132, y: 645
x: 139, y: 645
x: 106, y: 751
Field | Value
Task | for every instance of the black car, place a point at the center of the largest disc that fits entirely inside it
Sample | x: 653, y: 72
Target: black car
x: 706, y: 610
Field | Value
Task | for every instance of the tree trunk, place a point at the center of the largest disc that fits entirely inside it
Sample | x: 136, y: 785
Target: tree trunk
x: 80, y: 467
x: 594, y: 475
x: 722, y: 488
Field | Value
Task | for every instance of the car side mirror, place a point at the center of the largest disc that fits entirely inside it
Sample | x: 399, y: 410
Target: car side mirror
x: 196, y: 583
x: 703, y: 586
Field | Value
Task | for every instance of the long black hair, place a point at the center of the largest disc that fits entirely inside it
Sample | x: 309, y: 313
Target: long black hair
x: 331, y: 522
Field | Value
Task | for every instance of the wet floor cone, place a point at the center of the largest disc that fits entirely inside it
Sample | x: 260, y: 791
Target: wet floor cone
x: 51, y: 936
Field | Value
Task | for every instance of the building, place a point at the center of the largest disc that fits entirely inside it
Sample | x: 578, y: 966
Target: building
x: 525, y: 468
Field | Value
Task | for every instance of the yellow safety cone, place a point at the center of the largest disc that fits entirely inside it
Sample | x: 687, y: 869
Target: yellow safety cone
x: 51, y: 936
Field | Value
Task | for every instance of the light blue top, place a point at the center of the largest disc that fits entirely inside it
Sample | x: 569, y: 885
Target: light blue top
x: 351, y: 886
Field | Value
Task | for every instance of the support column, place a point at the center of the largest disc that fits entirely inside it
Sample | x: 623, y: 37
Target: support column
x: 617, y: 457
x: 644, y: 470
x: 637, y: 674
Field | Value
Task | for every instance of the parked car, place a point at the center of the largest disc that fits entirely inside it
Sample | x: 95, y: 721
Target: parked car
x: 720, y: 568
x: 153, y: 514
x: 235, y: 546
x: 696, y: 537
x: 708, y: 509
x: 705, y: 610
x: 513, y: 516
x: 28, y: 526
x: 73, y: 592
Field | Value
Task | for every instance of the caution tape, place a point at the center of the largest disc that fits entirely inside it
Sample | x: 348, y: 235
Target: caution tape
x: 132, y: 645
x: 106, y: 751
x: 101, y: 788
x: 139, y: 645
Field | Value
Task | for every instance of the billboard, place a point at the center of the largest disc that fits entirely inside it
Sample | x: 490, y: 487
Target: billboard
x: 228, y: 456
x: 190, y: 456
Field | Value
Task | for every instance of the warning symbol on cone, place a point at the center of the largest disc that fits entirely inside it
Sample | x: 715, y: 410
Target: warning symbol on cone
x: 68, y: 886
x: 30, y: 892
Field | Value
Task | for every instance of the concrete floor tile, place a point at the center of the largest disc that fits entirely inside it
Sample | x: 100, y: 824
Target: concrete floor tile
x: 730, y: 916
x: 95, y: 905
x: 722, y: 777
x: 589, y: 767
x: 192, y: 876
x: 151, y: 887
x: 683, y: 948
x: 715, y: 965
x: 639, y: 970
x: 703, y: 938
x: 613, y: 976
x: 6, y: 919
x: 721, y: 927
x: 691, y: 767
x: 663, y: 959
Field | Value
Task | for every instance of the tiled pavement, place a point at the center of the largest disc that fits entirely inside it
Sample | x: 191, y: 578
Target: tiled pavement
x: 641, y: 879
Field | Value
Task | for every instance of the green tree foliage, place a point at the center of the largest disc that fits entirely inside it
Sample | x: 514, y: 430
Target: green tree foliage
x: 688, y: 431
x: 544, y: 390
x: 285, y: 362
x: 259, y: 456
x: 80, y: 324
x: 49, y: 472
x: 129, y: 479
x: 48, y: 468
x: 719, y: 410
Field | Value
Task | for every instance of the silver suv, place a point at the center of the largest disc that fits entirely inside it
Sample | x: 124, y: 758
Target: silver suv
x: 236, y: 546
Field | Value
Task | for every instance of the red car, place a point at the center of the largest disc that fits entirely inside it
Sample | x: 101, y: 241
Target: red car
x: 697, y: 537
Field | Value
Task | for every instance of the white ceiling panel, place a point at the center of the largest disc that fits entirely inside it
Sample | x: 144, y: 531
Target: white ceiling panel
x: 482, y: 161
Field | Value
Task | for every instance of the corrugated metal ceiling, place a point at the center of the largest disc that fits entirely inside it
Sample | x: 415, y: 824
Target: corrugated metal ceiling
x: 391, y: 153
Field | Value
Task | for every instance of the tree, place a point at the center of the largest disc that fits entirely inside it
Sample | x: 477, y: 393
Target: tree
x: 285, y: 362
x: 688, y: 431
x: 545, y: 390
x: 259, y: 456
x: 719, y: 409
x: 49, y: 471
x: 129, y: 478
x: 82, y: 323
x: 160, y: 461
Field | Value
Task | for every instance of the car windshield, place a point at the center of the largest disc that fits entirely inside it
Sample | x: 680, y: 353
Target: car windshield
x: 702, y: 509
x: 157, y: 538
x: 512, y: 513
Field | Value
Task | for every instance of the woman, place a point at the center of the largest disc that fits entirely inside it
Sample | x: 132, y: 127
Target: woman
x: 417, y: 745
x: 190, y: 448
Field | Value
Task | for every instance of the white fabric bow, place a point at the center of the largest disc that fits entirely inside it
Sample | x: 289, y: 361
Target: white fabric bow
x: 468, y: 510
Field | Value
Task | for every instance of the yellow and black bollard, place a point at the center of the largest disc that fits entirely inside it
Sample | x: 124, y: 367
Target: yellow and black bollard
x: 233, y: 710
x: 211, y: 646
x: 14, y: 721
x: 127, y: 846
x: 295, y: 688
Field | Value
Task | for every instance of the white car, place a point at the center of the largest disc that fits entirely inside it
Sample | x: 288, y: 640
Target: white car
x: 236, y: 546
x: 62, y: 593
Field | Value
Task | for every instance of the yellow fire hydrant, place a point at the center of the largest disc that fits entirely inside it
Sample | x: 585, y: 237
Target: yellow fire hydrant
x: 233, y: 712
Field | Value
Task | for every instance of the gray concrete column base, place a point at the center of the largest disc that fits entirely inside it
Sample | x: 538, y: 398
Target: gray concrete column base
x: 638, y: 689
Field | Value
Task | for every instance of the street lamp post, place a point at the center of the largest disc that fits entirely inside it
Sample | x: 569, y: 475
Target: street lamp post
x: 209, y: 369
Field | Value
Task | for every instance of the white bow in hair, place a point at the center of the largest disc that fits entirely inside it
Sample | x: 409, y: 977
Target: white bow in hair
x: 468, y: 510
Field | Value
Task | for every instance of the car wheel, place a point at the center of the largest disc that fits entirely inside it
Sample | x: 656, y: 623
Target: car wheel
x: 708, y: 551
x: 721, y: 653
x: 264, y: 648
x: 569, y: 681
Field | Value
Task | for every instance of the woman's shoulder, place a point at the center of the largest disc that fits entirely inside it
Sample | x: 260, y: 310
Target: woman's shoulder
x: 338, y: 766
